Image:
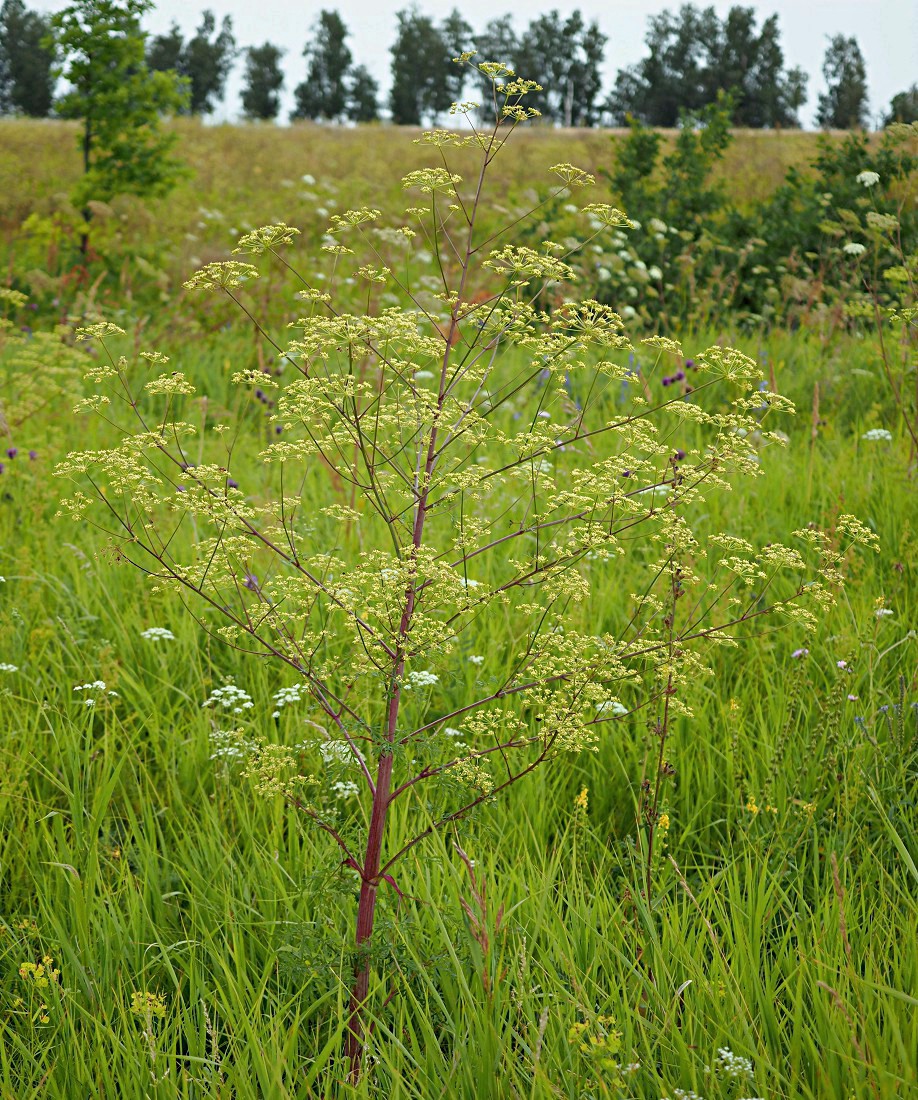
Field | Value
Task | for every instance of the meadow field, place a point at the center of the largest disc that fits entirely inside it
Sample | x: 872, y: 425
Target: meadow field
x: 171, y: 925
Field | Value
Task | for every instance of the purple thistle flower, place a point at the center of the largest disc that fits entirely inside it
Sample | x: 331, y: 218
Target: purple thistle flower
x: 680, y: 454
x: 250, y: 582
x: 798, y: 653
x: 231, y: 483
x: 626, y: 473
x: 667, y: 381
x: 259, y: 394
x: 679, y: 375
x: 278, y: 428
x: 33, y: 455
x: 180, y: 488
x: 12, y: 452
x: 690, y: 364
x: 2, y: 467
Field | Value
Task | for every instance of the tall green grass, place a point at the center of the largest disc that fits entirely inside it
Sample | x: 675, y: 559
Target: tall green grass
x: 782, y: 917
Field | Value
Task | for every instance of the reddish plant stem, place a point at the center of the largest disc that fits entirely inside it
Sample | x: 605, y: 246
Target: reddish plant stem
x: 370, y: 876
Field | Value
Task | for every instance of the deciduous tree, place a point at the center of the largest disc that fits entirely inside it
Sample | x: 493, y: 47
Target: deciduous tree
x: 26, y: 61
x: 421, y: 63
x: 903, y: 107
x: 362, y: 95
x: 119, y: 100
x: 693, y: 55
x: 264, y: 79
x: 323, y: 95
x: 204, y: 61
x: 843, y: 105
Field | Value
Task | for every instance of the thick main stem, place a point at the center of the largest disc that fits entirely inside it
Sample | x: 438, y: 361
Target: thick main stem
x: 370, y: 871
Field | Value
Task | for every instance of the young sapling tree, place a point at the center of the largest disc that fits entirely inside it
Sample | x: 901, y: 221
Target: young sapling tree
x: 119, y: 100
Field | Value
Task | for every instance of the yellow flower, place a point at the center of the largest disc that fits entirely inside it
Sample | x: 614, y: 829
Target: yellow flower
x: 580, y: 802
x: 148, y: 1005
x: 663, y: 822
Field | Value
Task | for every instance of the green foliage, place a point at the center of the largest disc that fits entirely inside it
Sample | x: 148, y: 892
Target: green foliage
x: 457, y: 515
x: 119, y: 100
x: 843, y: 106
x: 565, y: 56
x: 903, y: 107
x: 693, y: 56
x: 204, y: 61
x: 147, y: 872
x: 323, y: 95
x: 26, y: 61
x: 264, y: 79
x: 363, y: 95
x: 699, y: 253
x: 421, y: 62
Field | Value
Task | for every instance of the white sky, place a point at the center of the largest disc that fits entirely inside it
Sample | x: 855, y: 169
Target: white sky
x: 886, y: 30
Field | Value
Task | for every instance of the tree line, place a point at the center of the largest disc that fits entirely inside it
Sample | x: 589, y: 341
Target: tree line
x: 692, y: 56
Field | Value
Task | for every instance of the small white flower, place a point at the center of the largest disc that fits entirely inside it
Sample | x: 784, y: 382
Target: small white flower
x: 883, y: 612
x: 733, y: 1065
x: 451, y: 731
x: 877, y: 434
x: 569, y: 208
x: 545, y: 415
x: 229, y: 697
x: 654, y: 272
x: 420, y: 678
x: 868, y: 179
x: 841, y: 664
x: 227, y: 744
x: 345, y: 789
x: 423, y: 375
x: 285, y: 697
x: 4, y: 667
x: 475, y: 660
x: 854, y: 248
x: 308, y: 179
x: 157, y: 633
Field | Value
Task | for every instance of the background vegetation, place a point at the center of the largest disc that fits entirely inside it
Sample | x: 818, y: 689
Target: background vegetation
x: 165, y: 933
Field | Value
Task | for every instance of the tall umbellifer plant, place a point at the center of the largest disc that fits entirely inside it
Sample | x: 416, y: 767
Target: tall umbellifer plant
x: 480, y: 461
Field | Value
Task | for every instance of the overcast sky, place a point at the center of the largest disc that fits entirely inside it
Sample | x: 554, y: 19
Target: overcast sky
x: 887, y: 31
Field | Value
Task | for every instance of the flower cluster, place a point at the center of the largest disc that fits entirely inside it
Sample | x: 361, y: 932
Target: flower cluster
x: 96, y: 690
x: 149, y: 1006
x: 229, y: 697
